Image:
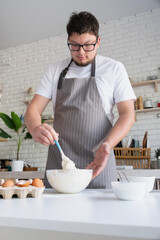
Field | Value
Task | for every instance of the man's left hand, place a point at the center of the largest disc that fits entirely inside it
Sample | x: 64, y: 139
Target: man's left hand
x: 100, y: 160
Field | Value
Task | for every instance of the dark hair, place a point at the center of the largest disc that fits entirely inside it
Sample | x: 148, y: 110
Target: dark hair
x: 83, y: 22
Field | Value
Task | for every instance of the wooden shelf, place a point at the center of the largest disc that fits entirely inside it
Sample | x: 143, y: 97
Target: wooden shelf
x: 149, y: 82
x: 147, y: 110
x: 27, y: 101
x: 3, y: 140
x: 48, y: 121
x: 23, y: 174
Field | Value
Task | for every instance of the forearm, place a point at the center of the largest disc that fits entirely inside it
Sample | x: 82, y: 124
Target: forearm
x: 42, y: 133
x: 32, y: 118
x: 120, y: 129
x: 34, y: 112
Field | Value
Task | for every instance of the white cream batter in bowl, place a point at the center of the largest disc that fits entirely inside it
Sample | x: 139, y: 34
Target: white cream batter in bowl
x: 69, y: 180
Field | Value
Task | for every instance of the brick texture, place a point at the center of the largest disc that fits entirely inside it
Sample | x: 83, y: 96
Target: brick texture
x: 133, y: 40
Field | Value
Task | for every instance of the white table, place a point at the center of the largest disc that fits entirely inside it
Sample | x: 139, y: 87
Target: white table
x: 91, y: 214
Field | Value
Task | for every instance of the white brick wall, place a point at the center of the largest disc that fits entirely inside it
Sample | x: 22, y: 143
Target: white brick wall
x: 133, y: 40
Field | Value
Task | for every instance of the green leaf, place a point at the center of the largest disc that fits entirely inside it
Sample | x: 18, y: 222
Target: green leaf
x: 3, y: 134
x: 8, y: 121
x: 157, y: 152
x: 16, y: 120
x: 28, y: 136
x: 24, y: 129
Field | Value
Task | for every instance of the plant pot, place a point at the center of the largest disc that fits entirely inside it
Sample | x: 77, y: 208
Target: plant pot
x: 158, y: 163
x: 17, y: 166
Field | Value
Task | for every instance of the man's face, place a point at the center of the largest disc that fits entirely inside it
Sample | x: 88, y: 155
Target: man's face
x: 81, y: 57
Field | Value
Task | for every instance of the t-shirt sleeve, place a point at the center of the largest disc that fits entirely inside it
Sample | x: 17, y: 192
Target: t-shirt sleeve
x: 122, y: 87
x: 45, y: 86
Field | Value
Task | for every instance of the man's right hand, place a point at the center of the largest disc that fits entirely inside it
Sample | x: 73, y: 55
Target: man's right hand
x: 44, y: 134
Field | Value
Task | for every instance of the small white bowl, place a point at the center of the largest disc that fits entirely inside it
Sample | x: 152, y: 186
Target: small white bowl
x: 69, y: 181
x: 131, y: 191
x: 148, y: 180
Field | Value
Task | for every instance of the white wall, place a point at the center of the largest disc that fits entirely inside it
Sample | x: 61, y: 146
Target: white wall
x: 23, y: 22
x: 133, y: 40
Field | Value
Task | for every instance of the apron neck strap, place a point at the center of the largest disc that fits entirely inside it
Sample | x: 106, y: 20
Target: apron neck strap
x: 93, y: 68
x: 64, y: 72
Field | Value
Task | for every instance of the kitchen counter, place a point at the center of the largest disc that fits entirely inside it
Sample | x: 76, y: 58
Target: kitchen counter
x: 92, y: 214
x: 142, y: 172
x: 40, y: 174
x: 22, y: 175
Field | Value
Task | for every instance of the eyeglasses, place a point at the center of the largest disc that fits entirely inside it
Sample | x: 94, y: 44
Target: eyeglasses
x: 86, y: 47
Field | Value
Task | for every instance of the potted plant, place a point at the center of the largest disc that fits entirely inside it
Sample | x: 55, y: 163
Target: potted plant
x: 157, y: 155
x: 15, y: 123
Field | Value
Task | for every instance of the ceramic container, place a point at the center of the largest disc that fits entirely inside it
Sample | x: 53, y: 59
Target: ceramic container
x: 69, y: 181
x: 131, y: 191
x: 148, y: 180
x: 17, y: 166
x: 148, y: 104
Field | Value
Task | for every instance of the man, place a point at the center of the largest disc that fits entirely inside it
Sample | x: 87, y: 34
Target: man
x: 83, y: 89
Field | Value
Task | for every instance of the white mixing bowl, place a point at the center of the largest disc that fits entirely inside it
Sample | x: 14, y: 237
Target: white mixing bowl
x: 69, y: 181
x: 148, y: 180
x: 129, y: 190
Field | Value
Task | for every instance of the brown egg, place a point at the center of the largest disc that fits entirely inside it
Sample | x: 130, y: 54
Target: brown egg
x: 8, y: 183
x: 23, y: 183
x: 37, y: 182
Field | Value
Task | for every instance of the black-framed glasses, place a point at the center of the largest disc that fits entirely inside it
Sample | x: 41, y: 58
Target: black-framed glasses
x: 86, y: 47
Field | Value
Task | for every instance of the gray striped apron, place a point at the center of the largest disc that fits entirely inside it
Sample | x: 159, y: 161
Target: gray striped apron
x: 82, y: 125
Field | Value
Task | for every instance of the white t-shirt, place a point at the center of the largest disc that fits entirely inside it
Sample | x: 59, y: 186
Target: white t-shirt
x: 111, y: 78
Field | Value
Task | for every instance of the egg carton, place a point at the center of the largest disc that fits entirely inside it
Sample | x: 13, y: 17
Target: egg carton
x: 21, y: 192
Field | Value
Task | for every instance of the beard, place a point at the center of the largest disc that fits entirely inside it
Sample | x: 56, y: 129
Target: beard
x: 81, y: 64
